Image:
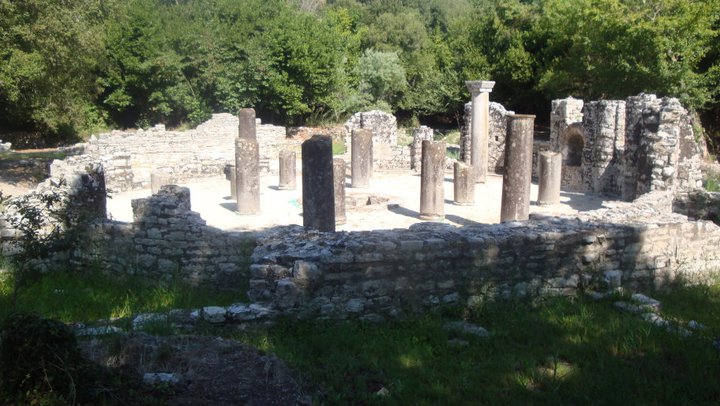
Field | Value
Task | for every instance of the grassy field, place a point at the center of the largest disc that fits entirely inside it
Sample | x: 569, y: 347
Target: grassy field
x: 87, y: 296
x: 557, y: 351
x: 561, y: 351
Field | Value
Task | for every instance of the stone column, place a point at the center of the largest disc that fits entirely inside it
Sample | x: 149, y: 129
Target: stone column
x: 432, y: 176
x: 464, y: 184
x: 158, y: 180
x: 246, y: 128
x: 361, y: 157
x: 287, y: 170
x: 231, y: 175
x: 480, y: 126
x: 549, y: 177
x: 247, y: 164
x: 339, y: 190
x: 515, y: 203
x: 318, y: 197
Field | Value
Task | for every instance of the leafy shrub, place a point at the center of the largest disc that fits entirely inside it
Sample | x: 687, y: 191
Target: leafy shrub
x: 39, y: 361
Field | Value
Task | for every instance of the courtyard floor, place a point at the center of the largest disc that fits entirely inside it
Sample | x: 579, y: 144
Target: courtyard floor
x: 394, y: 199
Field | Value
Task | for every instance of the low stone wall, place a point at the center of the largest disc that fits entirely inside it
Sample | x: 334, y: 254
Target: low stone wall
x: 166, y: 240
x: 378, y: 274
x: 129, y: 157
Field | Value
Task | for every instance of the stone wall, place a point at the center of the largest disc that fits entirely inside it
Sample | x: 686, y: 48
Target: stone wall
x: 379, y: 274
x: 130, y: 156
x: 387, y: 154
x: 629, y: 147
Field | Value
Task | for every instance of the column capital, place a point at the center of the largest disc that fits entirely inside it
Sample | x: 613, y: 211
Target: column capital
x: 479, y: 86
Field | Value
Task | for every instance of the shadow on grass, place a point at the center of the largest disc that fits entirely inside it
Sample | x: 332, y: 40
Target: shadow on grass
x: 559, y: 352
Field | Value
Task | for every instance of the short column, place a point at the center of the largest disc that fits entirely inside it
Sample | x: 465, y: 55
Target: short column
x: 432, y: 176
x: 318, y: 196
x: 247, y: 176
x: 549, y: 177
x: 480, y: 126
x: 515, y: 204
x: 230, y: 175
x: 287, y: 170
x: 158, y: 180
x: 361, y: 157
x: 463, y: 184
x: 339, y: 190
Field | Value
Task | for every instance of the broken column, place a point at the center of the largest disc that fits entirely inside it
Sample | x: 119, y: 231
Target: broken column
x: 479, y: 127
x: 287, y: 170
x: 361, y: 157
x: 515, y: 203
x: 158, y: 180
x: 464, y: 184
x: 432, y: 176
x: 339, y: 190
x: 318, y: 197
x: 549, y: 177
x: 247, y: 164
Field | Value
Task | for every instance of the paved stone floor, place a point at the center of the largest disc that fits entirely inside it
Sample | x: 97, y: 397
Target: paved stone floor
x: 395, y: 199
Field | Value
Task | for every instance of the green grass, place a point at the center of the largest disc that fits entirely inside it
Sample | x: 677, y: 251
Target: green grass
x: 338, y: 147
x: 557, y: 351
x: 86, y: 296
x: 12, y: 156
x: 560, y: 352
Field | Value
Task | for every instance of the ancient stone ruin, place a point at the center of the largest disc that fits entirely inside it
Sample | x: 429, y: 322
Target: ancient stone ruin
x: 642, y: 149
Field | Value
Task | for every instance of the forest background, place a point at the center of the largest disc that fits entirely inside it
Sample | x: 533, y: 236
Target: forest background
x: 69, y: 68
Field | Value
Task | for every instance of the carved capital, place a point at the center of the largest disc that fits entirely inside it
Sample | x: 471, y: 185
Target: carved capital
x: 478, y: 86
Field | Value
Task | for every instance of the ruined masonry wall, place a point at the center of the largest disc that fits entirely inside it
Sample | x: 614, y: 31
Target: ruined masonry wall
x: 378, y: 274
x: 130, y: 156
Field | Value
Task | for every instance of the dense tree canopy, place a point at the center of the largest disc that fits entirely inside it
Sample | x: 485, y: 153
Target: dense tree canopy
x: 68, y: 67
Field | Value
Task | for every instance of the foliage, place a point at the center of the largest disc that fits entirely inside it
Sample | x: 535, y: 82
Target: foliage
x: 67, y: 67
x: 39, y: 360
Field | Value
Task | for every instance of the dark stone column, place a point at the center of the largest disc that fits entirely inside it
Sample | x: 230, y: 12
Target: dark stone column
x: 318, y: 197
x: 231, y: 175
x: 158, y: 180
x: 432, y: 176
x: 247, y: 175
x: 246, y: 128
x: 464, y: 184
x: 549, y: 177
x: 362, y: 157
x: 287, y: 170
x: 515, y: 203
x: 339, y: 189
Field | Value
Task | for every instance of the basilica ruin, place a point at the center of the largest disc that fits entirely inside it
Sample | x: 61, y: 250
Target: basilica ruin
x: 640, y: 154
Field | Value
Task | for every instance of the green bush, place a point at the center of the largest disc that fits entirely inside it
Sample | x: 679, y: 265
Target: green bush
x: 39, y: 361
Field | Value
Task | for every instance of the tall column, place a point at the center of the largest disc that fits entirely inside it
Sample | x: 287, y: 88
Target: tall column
x: 464, y: 184
x: 549, y: 177
x: 480, y: 126
x: 318, y: 196
x: 432, y: 176
x: 515, y: 203
x: 287, y: 170
x: 339, y: 190
x: 361, y: 157
x: 247, y: 164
